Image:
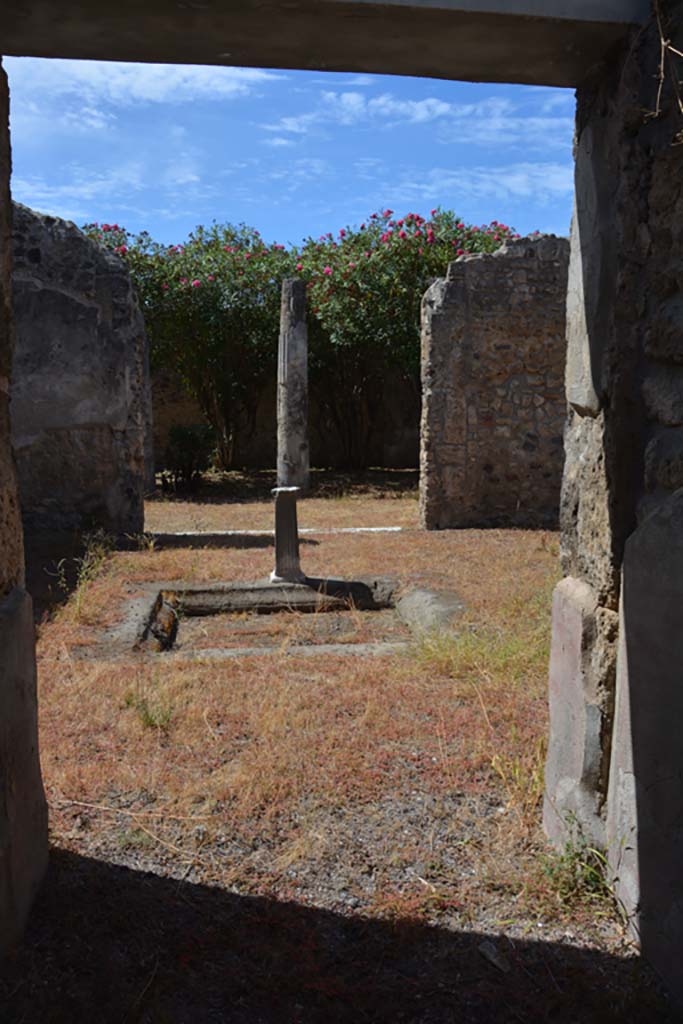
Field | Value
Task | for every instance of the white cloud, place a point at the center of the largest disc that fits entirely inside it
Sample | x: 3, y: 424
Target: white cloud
x: 542, y: 182
x: 122, y: 84
x: 74, y: 197
x: 297, y: 125
x: 278, y: 142
x: 494, y: 121
x: 360, y: 81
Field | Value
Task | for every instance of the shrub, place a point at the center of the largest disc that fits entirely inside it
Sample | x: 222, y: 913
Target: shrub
x: 189, y: 452
x: 211, y: 307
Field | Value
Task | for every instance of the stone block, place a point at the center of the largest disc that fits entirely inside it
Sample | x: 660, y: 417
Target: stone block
x: 664, y: 461
x: 580, y: 692
x: 587, y: 547
x: 663, y: 395
x: 645, y: 801
x: 580, y: 385
x: 23, y: 811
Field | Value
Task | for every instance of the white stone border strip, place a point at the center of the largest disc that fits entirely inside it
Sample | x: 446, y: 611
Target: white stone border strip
x: 173, y: 537
x: 379, y: 648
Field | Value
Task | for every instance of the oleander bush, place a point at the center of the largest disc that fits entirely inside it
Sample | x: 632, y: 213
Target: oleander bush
x: 211, y: 307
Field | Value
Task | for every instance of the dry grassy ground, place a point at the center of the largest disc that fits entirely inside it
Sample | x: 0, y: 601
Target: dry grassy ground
x: 237, y: 501
x: 288, y: 839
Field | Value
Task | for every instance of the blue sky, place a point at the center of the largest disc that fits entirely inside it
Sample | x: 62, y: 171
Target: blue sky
x: 292, y: 153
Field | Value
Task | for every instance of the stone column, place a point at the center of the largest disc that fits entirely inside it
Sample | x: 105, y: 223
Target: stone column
x: 292, y: 388
x: 287, y: 566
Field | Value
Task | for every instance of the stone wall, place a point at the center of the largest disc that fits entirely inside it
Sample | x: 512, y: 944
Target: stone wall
x: 615, y: 759
x: 11, y: 541
x: 80, y: 386
x: 23, y: 811
x: 493, y: 407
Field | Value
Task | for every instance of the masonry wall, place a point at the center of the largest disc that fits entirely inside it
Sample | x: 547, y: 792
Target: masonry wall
x: 80, y: 388
x: 615, y: 759
x: 493, y: 406
x: 23, y: 812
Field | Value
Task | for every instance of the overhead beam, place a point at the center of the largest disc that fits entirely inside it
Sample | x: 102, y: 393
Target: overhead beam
x: 539, y: 42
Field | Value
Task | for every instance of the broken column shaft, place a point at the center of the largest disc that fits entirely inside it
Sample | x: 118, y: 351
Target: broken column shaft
x: 292, y: 388
x: 287, y: 565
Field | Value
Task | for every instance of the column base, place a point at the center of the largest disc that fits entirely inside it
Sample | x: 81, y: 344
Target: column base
x: 295, y: 576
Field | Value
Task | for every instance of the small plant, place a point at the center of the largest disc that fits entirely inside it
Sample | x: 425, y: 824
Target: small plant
x: 189, y: 453
x: 579, y: 874
x: 153, y: 712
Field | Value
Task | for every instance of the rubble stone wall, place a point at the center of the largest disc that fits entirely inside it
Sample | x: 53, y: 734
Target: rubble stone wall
x: 493, y: 406
x: 80, y: 385
x: 615, y: 760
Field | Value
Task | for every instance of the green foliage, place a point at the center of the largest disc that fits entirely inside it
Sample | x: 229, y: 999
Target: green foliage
x: 189, y: 452
x: 366, y: 287
x: 153, y: 713
x: 211, y: 307
x: 579, y: 874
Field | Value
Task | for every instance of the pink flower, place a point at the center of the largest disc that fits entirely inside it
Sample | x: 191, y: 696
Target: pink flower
x: 460, y: 252
x: 247, y: 255
x: 352, y: 265
x: 342, y: 233
x: 183, y: 280
x: 327, y: 271
x: 434, y: 213
x: 299, y: 266
x: 362, y: 227
x: 211, y: 277
x: 196, y: 283
x: 368, y: 254
x: 121, y: 248
x: 164, y: 287
x: 387, y: 213
x: 420, y: 250
x: 402, y: 234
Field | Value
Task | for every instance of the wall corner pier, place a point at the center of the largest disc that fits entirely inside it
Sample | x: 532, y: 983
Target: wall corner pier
x: 614, y: 770
x: 23, y: 812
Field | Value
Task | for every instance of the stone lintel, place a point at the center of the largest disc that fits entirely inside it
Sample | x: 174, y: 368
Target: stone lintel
x: 538, y: 42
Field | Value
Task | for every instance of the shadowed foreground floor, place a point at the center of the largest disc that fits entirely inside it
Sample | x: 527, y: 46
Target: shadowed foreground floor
x: 108, y: 944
